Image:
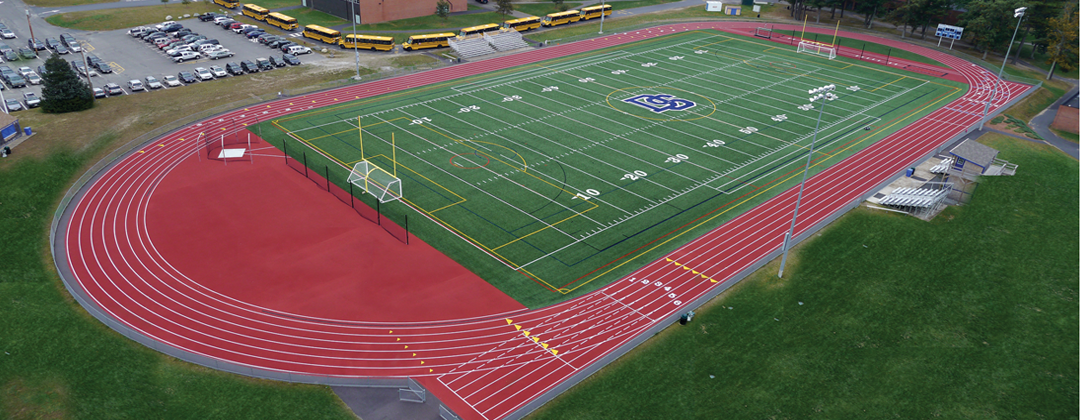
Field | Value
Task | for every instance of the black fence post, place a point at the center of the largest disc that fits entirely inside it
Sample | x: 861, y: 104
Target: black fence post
x: 888, y: 56
x: 327, y: 172
x: 406, y: 229
x: 285, y: 150
x: 352, y: 198
x: 305, y: 166
x: 863, y: 50
x: 378, y: 211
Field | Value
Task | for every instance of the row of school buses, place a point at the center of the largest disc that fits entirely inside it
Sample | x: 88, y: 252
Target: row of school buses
x: 415, y: 42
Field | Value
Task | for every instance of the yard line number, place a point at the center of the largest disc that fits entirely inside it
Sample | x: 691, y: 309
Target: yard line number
x: 511, y: 98
x: 419, y: 121
x: 589, y: 193
x: 634, y: 176
x: 469, y: 108
x: 714, y: 143
x: 550, y: 89
x: 677, y: 158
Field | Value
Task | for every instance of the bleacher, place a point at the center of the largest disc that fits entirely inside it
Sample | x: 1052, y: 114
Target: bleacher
x: 473, y: 47
x: 942, y: 167
x: 505, y: 40
x: 914, y: 197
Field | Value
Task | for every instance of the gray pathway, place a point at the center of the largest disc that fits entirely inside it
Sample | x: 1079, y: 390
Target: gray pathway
x: 1041, y: 125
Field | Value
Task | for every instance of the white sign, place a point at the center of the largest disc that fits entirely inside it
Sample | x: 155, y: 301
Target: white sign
x: 757, y: 8
x: 714, y: 6
x: 949, y: 31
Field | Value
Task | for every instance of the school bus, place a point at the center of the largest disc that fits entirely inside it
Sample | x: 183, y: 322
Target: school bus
x: 367, y: 42
x: 523, y: 24
x: 285, y: 22
x: 561, y: 18
x: 320, y: 33
x: 228, y: 4
x: 419, y: 42
x: 253, y: 11
x: 593, y: 12
x: 473, y: 30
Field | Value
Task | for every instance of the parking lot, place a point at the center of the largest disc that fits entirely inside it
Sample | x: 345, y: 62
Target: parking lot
x: 129, y: 58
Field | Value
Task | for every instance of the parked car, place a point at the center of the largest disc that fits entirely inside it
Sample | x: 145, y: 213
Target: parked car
x: 177, y: 50
x: 219, y: 19
x: 249, y: 66
x: 226, y: 22
x: 277, y: 43
x: 31, y: 100
x: 206, y: 17
x: 203, y: 73
x: 241, y: 27
x: 284, y: 47
x: 13, y: 105
x: 36, y: 44
x: 113, y: 89
x: 254, y: 34
x: 16, y: 81
x: 23, y: 71
x: 172, y: 28
x: 99, y: 93
x: 10, y: 55
x: 297, y: 50
x: 264, y: 64
x: 290, y: 59
x: 7, y: 34
x: 61, y: 50
x: 153, y: 83
x: 161, y: 26
x: 161, y: 41
x: 52, y: 43
x: 138, y: 31
x: 185, y: 56
x: 33, y: 78
x: 41, y: 70
x: 214, y: 55
x: 182, y: 32
x: 218, y: 71
x: 207, y: 48
x: 172, y: 81
x: 102, y: 67
x: 264, y: 38
x: 234, y: 68
x: 276, y: 61
x: 68, y: 40
x: 27, y: 53
x: 136, y: 85
x: 186, y: 77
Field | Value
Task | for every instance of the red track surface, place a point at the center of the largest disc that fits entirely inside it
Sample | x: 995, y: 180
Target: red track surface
x: 123, y: 245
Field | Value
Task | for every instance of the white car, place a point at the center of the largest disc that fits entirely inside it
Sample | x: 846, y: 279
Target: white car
x: 242, y: 27
x: 299, y: 49
x: 185, y: 56
x: 207, y: 48
x: 219, y: 19
x: 171, y: 81
x: 203, y: 74
x: 176, y: 51
x: 136, y: 85
x: 218, y: 71
x: 7, y: 34
x: 164, y: 24
x: 33, y: 78
x: 24, y: 71
x: 153, y: 83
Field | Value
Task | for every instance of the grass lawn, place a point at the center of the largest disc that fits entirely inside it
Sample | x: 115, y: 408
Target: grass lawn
x: 58, y: 362
x: 541, y: 9
x: 1040, y: 99
x: 64, y: 3
x: 110, y: 19
x: 972, y: 315
x: 307, y: 16
x: 1040, y: 62
x: 275, y: 4
x: 1073, y: 137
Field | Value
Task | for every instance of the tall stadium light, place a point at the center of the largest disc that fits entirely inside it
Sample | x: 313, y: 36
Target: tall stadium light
x: 1018, y: 13
x: 352, y: 12
x: 602, y: 5
x: 822, y: 94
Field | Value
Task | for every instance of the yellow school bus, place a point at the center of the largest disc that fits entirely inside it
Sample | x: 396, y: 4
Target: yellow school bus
x: 227, y: 4
x: 285, y: 22
x: 523, y: 24
x: 367, y: 42
x: 473, y: 30
x: 561, y: 18
x: 255, y: 12
x: 419, y: 42
x: 320, y: 33
x: 593, y: 12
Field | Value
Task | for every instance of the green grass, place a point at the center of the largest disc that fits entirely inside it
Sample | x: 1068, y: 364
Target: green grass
x: 536, y: 219
x: 541, y: 9
x: 1073, y: 137
x: 970, y: 316
x: 423, y: 24
x: 1040, y: 62
x: 276, y: 4
x: 57, y: 362
x: 306, y: 16
x: 110, y: 19
x: 64, y: 3
x: 1045, y: 96
x: 617, y: 23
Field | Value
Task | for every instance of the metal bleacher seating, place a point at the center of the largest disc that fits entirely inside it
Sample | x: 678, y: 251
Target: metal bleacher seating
x: 473, y: 47
x: 506, y: 40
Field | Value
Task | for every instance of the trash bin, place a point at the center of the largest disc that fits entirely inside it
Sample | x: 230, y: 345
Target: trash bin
x: 910, y: 172
x: 27, y: 131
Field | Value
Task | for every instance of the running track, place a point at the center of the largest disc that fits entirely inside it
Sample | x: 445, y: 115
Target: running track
x: 481, y: 368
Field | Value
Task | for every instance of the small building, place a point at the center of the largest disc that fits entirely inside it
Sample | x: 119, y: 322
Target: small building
x: 9, y: 128
x: 972, y: 159
x: 375, y: 11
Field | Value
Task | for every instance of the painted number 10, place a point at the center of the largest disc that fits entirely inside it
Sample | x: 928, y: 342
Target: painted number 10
x: 589, y: 193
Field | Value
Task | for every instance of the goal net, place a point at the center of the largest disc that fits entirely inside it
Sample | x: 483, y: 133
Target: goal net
x: 763, y: 33
x: 823, y: 50
x: 375, y: 181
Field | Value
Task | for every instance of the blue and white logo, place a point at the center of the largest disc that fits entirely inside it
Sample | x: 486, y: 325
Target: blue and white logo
x: 660, y: 103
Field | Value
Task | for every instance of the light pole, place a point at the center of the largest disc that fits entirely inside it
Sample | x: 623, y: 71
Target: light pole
x: 32, y: 44
x: 1018, y: 13
x: 823, y: 93
x: 352, y: 12
x: 602, y: 7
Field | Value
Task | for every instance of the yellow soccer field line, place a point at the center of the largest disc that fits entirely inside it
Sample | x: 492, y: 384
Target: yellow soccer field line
x: 548, y: 226
x: 459, y: 197
x: 955, y: 90
x: 894, y: 81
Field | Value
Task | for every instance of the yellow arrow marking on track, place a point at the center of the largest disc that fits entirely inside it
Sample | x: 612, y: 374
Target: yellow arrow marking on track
x: 509, y: 321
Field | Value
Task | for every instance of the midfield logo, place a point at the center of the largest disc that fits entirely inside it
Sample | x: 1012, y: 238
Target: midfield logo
x: 660, y: 103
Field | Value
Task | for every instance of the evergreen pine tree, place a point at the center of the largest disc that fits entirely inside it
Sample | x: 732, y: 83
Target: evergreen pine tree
x: 63, y: 91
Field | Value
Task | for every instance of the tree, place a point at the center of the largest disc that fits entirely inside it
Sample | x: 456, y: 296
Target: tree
x: 442, y: 9
x: 1062, y: 41
x: 559, y: 5
x: 870, y: 9
x: 63, y: 91
x: 504, y: 7
x: 990, y: 23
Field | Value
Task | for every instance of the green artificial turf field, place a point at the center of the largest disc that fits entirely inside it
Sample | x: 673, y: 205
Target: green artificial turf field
x: 553, y: 179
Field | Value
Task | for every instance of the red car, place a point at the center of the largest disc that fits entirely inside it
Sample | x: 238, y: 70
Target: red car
x: 234, y: 25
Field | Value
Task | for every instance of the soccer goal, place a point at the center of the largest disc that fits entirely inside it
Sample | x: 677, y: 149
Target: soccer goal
x: 815, y: 48
x: 763, y: 33
x: 375, y: 181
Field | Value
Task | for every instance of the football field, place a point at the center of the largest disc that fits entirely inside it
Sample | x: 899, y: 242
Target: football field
x: 550, y: 180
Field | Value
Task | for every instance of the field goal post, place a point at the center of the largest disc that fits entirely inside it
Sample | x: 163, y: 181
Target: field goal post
x: 824, y: 50
x: 761, y: 32
x: 375, y: 181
